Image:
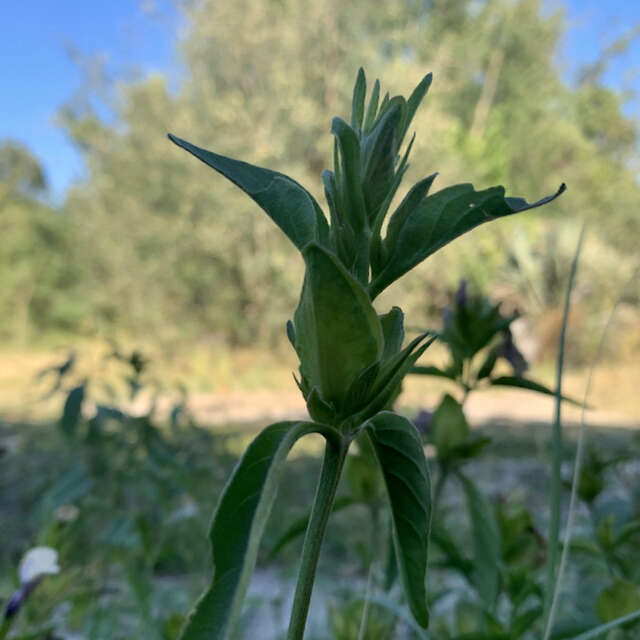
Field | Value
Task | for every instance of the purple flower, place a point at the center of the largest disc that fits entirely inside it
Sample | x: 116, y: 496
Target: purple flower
x: 461, y: 294
x: 423, y: 421
x: 513, y: 355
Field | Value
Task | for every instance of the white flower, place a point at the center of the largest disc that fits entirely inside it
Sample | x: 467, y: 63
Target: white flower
x: 36, y: 563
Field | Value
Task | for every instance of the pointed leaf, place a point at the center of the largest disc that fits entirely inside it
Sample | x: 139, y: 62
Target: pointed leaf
x: 391, y: 374
x: 404, y: 467
x: 285, y: 201
x: 349, y: 184
x: 372, y: 109
x: 238, y: 524
x: 72, y: 411
x: 486, y: 542
x: 415, y: 196
x: 379, y: 153
x: 488, y: 365
x: 449, y: 426
x: 414, y: 102
x: 439, y: 219
x: 357, y: 105
x: 338, y: 333
x: 430, y: 370
x: 525, y: 383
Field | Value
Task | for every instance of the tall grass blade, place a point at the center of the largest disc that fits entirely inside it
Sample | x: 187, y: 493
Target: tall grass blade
x: 557, y: 444
x: 578, y: 462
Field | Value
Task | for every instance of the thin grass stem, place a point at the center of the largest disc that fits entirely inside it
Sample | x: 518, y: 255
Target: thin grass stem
x: 578, y: 462
x: 557, y: 443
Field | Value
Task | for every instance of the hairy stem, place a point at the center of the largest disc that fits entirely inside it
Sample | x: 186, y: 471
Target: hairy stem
x: 332, y: 465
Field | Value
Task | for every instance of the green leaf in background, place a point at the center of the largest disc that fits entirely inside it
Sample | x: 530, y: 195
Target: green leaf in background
x: 618, y: 599
x: 72, y: 411
x: 404, y: 467
x: 285, y: 201
x: 486, y: 542
x: 430, y: 370
x: 297, y: 528
x: 337, y: 331
x: 238, y: 524
x: 450, y: 427
x: 525, y: 383
x: 439, y: 219
x: 489, y: 363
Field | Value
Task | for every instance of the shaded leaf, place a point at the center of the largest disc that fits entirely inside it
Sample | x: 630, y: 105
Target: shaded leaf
x: 357, y: 105
x: 393, y: 331
x: 430, y: 370
x: 439, y: 219
x: 72, y: 411
x: 620, y: 598
x: 348, y: 182
x: 525, y: 383
x: 238, y: 524
x: 414, y: 102
x: 450, y: 427
x: 404, y: 467
x: 486, y: 542
x: 337, y: 331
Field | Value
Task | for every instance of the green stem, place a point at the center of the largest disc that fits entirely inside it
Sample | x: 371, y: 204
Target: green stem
x: 4, y: 629
x: 332, y: 465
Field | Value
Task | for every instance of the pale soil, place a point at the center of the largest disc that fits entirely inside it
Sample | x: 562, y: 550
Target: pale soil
x: 246, y: 387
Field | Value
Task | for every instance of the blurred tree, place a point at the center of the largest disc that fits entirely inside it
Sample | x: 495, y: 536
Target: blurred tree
x: 163, y: 243
x: 38, y: 276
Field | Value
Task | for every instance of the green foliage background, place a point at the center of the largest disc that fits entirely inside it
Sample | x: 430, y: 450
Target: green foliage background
x: 155, y: 244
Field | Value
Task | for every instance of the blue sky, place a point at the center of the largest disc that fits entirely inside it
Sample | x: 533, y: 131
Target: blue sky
x: 39, y: 74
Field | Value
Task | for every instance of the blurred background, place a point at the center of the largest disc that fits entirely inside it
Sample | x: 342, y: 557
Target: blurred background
x: 143, y: 299
x: 111, y: 233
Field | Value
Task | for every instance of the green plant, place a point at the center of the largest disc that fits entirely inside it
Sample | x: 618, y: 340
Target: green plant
x: 351, y: 358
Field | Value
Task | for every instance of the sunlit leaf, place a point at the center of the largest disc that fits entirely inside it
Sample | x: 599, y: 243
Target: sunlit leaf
x: 286, y: 202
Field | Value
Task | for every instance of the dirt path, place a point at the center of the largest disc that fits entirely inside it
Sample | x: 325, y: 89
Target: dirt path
x: 517, y: 405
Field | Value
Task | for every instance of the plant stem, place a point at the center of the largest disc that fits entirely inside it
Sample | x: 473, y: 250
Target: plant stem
x: 4, y: 629
x: 334, y: 457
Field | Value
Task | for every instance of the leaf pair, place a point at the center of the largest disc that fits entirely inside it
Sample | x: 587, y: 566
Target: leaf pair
x: 246, y: 502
